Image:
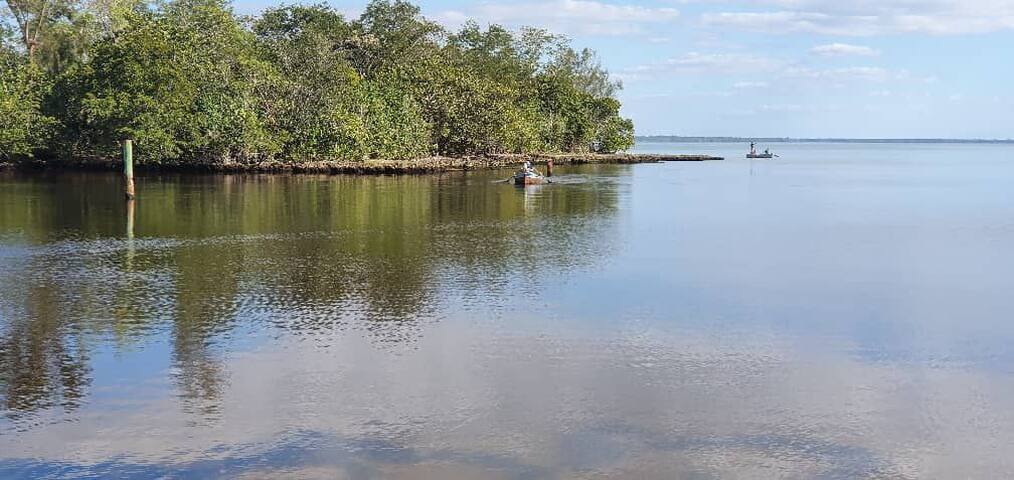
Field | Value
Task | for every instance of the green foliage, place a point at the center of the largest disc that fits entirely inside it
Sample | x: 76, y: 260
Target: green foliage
x: 396, y: 127
x: 182, y: 82
x: 23, y: 127
x: 617, y: 136
x: 53, y: 34
x: 192, y: 83
x: 394, y: 40
x: 313, y: 103
x: 322, y: 103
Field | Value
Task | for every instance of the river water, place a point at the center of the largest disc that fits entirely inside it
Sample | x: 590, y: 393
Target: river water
x: 842, y: 311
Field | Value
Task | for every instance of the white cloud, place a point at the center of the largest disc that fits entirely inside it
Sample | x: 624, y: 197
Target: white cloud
x: 452, y: 17
x: 843, y: 49
x: 768, y: 72
x: 742, y: 63
x: 712, y: 94
x: 872, y: 17
x: 695, y: 62
x: 787, y: 107
x: 872, y: 74
x: 565, y: 16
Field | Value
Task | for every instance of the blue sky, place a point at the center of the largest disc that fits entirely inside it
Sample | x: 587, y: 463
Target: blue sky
x: 804, y: 68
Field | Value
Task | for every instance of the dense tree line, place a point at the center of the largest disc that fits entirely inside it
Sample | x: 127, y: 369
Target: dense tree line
x: 191, y: 82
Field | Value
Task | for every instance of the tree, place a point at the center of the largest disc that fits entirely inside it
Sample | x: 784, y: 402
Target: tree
x: 31, y: 17
x: 53, y: 33
x: 612, y: 132
x: 182, y: 81
x: 585, y: 71
x: 394, y: 39
x: 193, y: 83
x: 23, y: 127
x: 327, y: 106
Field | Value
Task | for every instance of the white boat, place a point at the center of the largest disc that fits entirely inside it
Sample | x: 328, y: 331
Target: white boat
x: 754, y: 154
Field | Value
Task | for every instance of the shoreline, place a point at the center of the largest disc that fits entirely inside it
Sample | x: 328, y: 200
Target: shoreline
x: 743, y: 140
x: 427, y: 165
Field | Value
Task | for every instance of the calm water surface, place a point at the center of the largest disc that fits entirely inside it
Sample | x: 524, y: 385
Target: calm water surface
x: 842, y: 311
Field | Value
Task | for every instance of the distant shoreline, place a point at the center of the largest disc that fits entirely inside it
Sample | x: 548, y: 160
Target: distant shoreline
x: 679, y: 139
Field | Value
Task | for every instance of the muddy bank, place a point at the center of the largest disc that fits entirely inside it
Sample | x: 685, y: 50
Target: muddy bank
x: 378, y: 167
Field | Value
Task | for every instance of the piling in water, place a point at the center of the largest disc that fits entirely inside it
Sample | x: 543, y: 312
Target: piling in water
x: 130, y: 220
x: 128, y: 167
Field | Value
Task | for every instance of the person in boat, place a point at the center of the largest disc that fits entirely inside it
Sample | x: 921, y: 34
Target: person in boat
x: 753, y: 148
x: 766, y: 152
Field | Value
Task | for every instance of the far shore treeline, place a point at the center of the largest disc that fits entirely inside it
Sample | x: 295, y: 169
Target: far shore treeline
x: 192, y: 83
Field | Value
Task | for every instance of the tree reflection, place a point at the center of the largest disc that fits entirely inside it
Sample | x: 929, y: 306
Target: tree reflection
x: 300, y: 253
x: 205, y: 306
x: 41, y: 365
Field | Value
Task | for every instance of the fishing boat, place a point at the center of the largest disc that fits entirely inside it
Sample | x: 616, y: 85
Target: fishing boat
x: 755, y: 154
x: 522, y: 177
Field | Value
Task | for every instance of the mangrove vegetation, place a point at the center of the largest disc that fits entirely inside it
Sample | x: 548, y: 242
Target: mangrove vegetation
x: 193, y: 83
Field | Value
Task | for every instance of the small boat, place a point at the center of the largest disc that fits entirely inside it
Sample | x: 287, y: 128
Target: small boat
x: 522, y: 177
x: 755, y: 154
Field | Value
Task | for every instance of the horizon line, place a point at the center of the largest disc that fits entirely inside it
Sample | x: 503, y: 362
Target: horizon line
x: 825, y: 139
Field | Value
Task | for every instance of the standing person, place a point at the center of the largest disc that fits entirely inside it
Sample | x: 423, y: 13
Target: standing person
x: 753, y: 148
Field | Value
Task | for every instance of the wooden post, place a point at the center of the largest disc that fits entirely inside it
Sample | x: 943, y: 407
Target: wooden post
x: 549, y: 167
x: 128, y: 167
x: 130, y: 221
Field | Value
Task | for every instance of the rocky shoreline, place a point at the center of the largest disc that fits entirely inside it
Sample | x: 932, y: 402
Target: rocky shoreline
x: 380, y: 167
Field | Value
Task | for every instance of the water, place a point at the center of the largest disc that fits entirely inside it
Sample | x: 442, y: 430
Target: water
x: 841, y: 311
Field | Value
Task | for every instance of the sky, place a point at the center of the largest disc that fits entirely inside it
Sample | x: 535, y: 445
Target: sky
x: 796, y: 68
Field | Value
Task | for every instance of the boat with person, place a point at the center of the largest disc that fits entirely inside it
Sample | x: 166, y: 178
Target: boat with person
x: 755, y: 154
x: 528, y: 176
